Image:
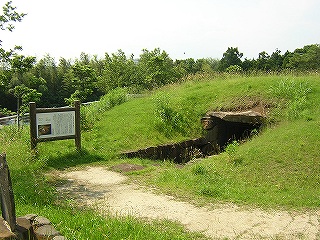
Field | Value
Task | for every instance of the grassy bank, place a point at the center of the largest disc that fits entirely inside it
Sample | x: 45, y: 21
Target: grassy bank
x: 278, y: 168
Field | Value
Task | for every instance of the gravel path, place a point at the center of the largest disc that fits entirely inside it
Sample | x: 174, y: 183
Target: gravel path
x: 107, y: 190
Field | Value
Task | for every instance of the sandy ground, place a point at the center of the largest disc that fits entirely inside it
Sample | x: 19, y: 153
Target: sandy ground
x: 106, y: 190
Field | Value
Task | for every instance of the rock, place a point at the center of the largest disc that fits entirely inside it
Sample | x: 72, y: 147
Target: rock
x: 40, y: 221
x: 5, y: 232
x: 24, y: 228
x: 59, y: 238
x: 30, y: 216
x: 224, y: 127
x: 250, y: 117
x: 46, y: 232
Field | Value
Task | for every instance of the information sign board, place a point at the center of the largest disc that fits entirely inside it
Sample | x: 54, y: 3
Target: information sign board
x: 55, y: 124
x: 49, y: 124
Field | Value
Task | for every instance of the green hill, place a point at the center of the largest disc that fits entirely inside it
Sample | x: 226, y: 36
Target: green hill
x: 279, y: 167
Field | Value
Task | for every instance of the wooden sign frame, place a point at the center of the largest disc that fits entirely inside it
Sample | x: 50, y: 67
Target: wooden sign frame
x: 50, y: 124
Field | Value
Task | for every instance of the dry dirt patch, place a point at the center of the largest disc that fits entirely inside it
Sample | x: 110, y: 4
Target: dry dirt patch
x: 108, y: 192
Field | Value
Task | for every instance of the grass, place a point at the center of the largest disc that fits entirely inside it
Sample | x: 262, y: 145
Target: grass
x: 279, y: 168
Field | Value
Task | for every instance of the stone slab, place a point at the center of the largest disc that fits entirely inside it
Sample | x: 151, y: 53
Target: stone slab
x: 250, y: 117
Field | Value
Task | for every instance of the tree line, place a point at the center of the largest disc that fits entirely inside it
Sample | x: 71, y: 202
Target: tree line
x: 87, y: 78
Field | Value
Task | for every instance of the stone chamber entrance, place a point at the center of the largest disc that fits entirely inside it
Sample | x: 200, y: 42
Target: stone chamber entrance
x: 221, y: 128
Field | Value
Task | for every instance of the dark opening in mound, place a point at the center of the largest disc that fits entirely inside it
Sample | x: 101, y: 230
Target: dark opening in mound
x: 225, y: 127
x: 221, y: 129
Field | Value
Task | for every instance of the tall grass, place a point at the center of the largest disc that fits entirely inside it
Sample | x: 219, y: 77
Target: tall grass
x: 295, y: 95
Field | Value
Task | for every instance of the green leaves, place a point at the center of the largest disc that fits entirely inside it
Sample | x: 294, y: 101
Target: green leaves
x: 9, y: 15
x: 231, y: 57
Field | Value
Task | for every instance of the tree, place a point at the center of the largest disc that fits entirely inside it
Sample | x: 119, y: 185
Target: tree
x: 248, y: 65
x: 7, y: 18
x: 306, y: 58
x: 52, y: 92
x: 157, y: 68
x: 231, y: 57
x: 23, y: 82
x: 276, y: 60
x: 119, y: 72
x: 9, y: 15
x: 262, y: 63
x: 84, y: 83
x: 188, y: 65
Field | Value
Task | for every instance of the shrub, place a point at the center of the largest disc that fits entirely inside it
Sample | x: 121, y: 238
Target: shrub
x: 168, y: 120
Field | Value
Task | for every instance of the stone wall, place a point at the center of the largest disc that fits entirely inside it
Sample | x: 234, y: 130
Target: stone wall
x: 30, y: 227
x: 178, y: 152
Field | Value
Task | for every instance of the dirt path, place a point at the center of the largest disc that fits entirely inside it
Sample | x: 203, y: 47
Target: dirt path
x: 107, y: 190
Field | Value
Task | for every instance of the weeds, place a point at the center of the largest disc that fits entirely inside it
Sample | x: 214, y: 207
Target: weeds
x: 295, y: 93
x: 168, y: 120
x: 199, y: 170
x: 232, y: 151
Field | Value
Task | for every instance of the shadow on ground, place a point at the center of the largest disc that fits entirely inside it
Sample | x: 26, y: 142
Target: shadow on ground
x: 75, y: 158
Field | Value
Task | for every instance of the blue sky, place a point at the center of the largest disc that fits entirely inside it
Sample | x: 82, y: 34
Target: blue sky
x: 183, y: 28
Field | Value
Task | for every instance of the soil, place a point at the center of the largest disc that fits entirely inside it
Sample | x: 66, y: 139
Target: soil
x: 109, y: 192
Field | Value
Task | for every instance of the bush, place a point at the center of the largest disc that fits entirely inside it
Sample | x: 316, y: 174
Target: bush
x: 168, y: 120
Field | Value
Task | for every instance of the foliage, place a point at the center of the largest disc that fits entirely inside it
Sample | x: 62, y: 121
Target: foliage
x: 5, y: 112
x: 307, y: 58
x: 231, y: 57
x: 168, y: 120
x: 9, y: 15
x: 84, y: 82
x: 295, y: 93
x: 7, y: 18
x: 232, y: 151
x: 157, y: 69
x: 234, y: 69
x: 118, y: 72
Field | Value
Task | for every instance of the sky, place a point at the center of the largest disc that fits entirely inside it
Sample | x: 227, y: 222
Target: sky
x: 183, y: 28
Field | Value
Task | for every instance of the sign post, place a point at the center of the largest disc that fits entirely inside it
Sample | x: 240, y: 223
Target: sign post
x: 50, y: 124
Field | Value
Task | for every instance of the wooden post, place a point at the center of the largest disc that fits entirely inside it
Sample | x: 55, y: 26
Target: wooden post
x: 33, y: 125
x: 77, y: 125
x: 6, y: 194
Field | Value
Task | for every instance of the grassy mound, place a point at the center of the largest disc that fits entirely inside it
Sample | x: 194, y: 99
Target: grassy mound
x: 278, y: 168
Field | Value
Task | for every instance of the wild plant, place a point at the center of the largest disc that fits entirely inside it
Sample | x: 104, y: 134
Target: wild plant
x: 169, y: 120
x: 295, y: 96
x: 232, y: 151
